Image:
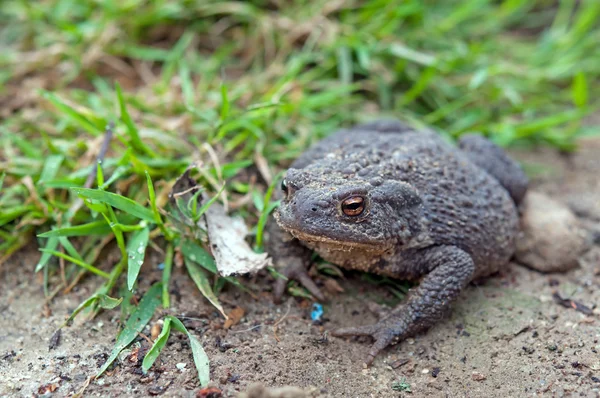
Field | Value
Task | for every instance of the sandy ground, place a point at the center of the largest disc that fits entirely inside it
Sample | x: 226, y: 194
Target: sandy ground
x: 506, y: 337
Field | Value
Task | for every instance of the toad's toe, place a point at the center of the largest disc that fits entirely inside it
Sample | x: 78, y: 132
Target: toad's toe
x: 298, y: 273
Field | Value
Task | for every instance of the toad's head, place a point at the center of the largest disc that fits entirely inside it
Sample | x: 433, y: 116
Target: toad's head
x: 347, y: 212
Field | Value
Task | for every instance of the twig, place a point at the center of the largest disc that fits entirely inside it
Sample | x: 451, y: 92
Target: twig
x: 179, y: 194
x: 148, y: 339
x: 247, y: 330
x: 54, y: 293
x: 82, y: 389
x: 281, y: 320
x: 92, y: 176
x: 215, y: 161
x: 63, y: 277
x: 74, y: 282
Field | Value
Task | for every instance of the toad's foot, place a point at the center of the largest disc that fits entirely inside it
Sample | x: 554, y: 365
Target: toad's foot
x: 296, y: 270
x: 448, y: 269
x: 383, y: 334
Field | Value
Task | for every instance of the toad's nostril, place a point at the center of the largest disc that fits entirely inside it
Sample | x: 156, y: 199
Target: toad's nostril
x: 314, y: 209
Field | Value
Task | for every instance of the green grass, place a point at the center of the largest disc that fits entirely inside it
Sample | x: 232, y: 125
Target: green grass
x: 244, y: 88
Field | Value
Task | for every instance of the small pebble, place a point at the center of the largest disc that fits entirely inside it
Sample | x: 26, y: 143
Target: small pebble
x: 552, y: 346
x: 181, y: 366
x: 478, y: 376
x: 425, y: 371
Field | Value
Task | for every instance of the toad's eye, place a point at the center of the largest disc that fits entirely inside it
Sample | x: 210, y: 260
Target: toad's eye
x: 284, y: 186
x: 353, y: 206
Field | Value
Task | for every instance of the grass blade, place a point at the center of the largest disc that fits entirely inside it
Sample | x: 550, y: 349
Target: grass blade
x: 200, y: 358
x: 266, y: 210
x: 75, y: 116
x: 166, y: 276
x: 580, y: 90
x: 120, y: 202
x: 135, y: 324
x: 66, y: 244
x: 225, y: 105
x: 107, y: 302
x: 197, y: 254
x: 51, y: 167
x: 404, y: 52
x: 47, y: 253
x: 134, y: 135
x: 203, y: 284
x: 136, y: 249
x: 104, y: 301
x: 89, y: 229
x: 157, y: 347
x: 197, y: 213
x: 82, y: 264
x: 344, y: 64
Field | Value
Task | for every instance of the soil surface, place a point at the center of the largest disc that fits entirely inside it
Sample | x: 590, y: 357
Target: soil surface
x: 506, y: 337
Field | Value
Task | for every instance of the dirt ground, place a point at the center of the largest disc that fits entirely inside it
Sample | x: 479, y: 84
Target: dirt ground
x: 506, y: 337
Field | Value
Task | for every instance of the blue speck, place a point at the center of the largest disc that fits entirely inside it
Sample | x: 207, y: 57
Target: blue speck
x: 161, y: 266
x: 317, y: 312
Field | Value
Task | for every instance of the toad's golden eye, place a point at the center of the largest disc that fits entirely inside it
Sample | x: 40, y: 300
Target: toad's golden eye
x: 353, y: 206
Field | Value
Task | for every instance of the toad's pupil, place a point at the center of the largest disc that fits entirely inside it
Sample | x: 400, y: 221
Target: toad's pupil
x: 284, y: 187
x: 353, y: 206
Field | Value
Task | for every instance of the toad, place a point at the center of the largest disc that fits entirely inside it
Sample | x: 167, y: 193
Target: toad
x: 384, y: 198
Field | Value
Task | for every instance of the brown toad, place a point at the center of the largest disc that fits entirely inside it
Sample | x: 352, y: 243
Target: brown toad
x: 384, y: 198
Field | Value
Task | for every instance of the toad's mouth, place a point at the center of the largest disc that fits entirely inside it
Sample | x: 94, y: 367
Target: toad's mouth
x: 334, y: 244
x: 329, y: 240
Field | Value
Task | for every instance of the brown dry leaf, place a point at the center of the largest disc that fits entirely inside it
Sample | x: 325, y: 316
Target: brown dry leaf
x: 155, y: 331
x: 332, y: 286
x: 178, y: 260
x: 235, y: 316
x: 209, y: 392
x: 48, y: 388
x: 133, y: 357
x: 46, y: 311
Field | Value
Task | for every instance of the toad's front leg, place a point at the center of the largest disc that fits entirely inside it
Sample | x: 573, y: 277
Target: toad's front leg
x: 447, y: 271
x: 291, y: 258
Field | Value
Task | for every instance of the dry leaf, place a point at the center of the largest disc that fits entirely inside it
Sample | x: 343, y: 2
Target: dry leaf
x: 155, y: 330
x: 226, y: 237
x: 235, y: 316
x: 332, y: 286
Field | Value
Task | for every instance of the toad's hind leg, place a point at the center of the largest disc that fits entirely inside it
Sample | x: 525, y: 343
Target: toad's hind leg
x: 448, y: 270
x: 497, y: 163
